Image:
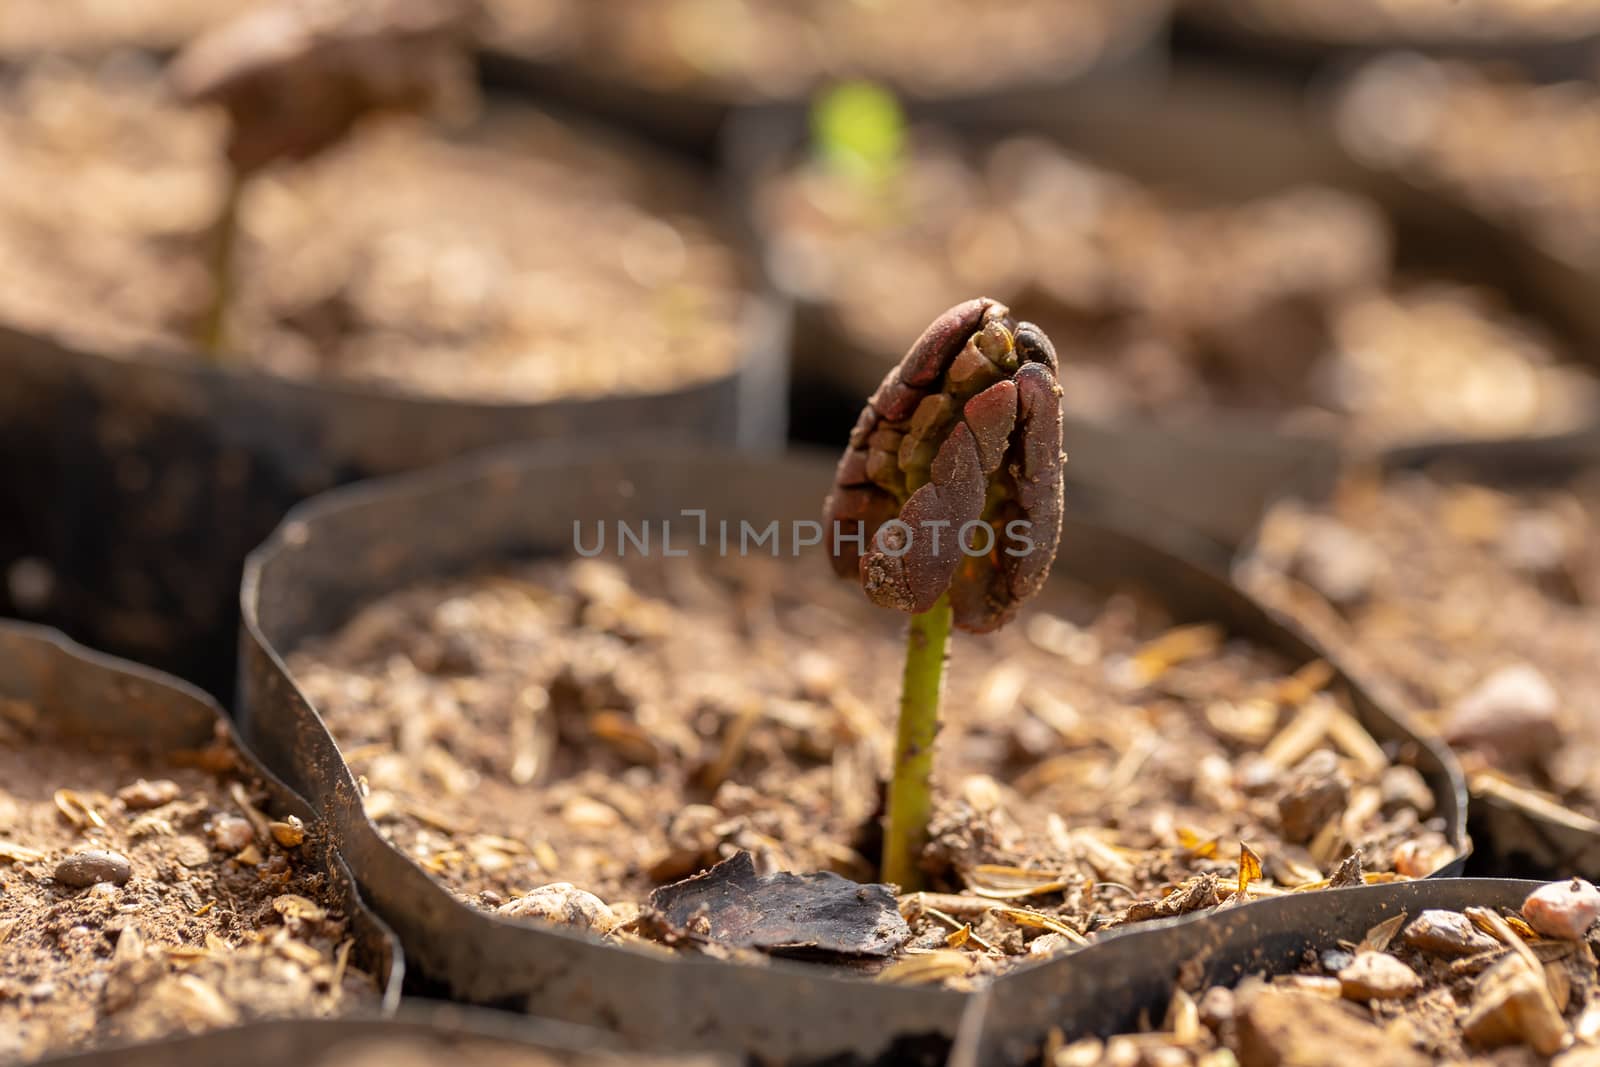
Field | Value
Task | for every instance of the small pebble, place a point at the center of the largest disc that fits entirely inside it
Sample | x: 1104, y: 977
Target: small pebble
x: 1335, y: 960
x: 290, y: 833
x: 1563, y: 910
x: 564, y: 903
x: 143, y: 795
x: 1512, y: 1004
x: 1421, y: 856
x: 1049, y: 945
x: 1337, y: 562
x: 1511, y: 717
x: 581, y: 813
x: 1316, y: 795
x: 1377, y: 976
x: 84, y: 869
x: 1446, y: 933
x: 1217, y: 1006
x: 230, y: 833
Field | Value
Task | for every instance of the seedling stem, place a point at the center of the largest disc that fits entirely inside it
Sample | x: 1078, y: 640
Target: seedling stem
x: 213, y: 335
x: 911, y: 782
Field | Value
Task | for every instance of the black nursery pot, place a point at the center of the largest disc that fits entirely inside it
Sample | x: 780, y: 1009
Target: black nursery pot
x: 1513, y: 834
x: 1226, y: 136
x: 1558, y: 287
x: 693, y: 120
x: 429, y: 1032
x: 103, y: 700
x: 335, y: 554
x: 1250, y: 32
x: 141, y: 483
x: 1269, y: 937
x: 1218, y: 135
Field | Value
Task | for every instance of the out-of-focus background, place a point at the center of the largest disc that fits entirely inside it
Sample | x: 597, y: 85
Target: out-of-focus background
x: 1259, y: 231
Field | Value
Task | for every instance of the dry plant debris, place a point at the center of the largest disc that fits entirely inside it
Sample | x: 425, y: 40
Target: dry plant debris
x: 1477, y: 608
x: 779, y: 49
x: 1304, y: 327
x: 1520, y: 153
x: 1479, y: 986
x: 462, y: 265
x: 146, y: 896
x: 618, y: 724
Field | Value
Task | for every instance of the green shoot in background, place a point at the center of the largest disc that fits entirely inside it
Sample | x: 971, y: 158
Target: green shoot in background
x: 859, y: 129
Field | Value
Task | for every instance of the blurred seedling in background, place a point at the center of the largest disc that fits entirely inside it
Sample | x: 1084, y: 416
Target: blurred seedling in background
x: 858, y: 129
x: 295, y: 77
x: 954, y: 471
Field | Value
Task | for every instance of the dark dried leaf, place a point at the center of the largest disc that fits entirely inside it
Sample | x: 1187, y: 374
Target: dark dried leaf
x: 785, y: 914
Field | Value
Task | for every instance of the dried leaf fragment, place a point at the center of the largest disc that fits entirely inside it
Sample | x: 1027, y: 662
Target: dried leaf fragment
x: 783, y: 913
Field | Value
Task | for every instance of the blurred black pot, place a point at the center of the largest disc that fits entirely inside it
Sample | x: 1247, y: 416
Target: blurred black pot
x: 136, y: 485
x: 1297, y: 41
x: 692, y: 119
x: 1515, y: 833
x: 1213, y: 135
x: 337, y: 553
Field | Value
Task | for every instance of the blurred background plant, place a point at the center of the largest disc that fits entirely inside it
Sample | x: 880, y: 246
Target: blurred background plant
x: 1238, y: 221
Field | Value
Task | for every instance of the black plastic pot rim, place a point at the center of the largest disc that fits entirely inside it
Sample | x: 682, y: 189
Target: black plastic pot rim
x: 1520, y: 823
x: 1126, y: 44
x: 1228, y: 944
x: 760, y: 310
x: 292, y: 533
x: 413, y: 1021
x: 296, y: 533
x: 175, y: 688
x: 1537, y: 51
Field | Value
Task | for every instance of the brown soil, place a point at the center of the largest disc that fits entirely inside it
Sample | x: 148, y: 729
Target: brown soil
x: 210, y: 922
x: 89, y: 27
x: 460, y: 264
x: 775, y: 49
x: 1522, y: 154
x: 621, y: 724
x: 1438, y: 986
x: 1479, y: 608
x: 1306, y: 325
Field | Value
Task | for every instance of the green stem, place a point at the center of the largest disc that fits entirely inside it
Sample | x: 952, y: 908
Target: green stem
x: 911, y: 786
x: 213, y: 331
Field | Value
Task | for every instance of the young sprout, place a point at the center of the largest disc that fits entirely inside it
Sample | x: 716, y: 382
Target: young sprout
x: 954, y: 475
x: 296, y: 76
x: 858, y: 129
